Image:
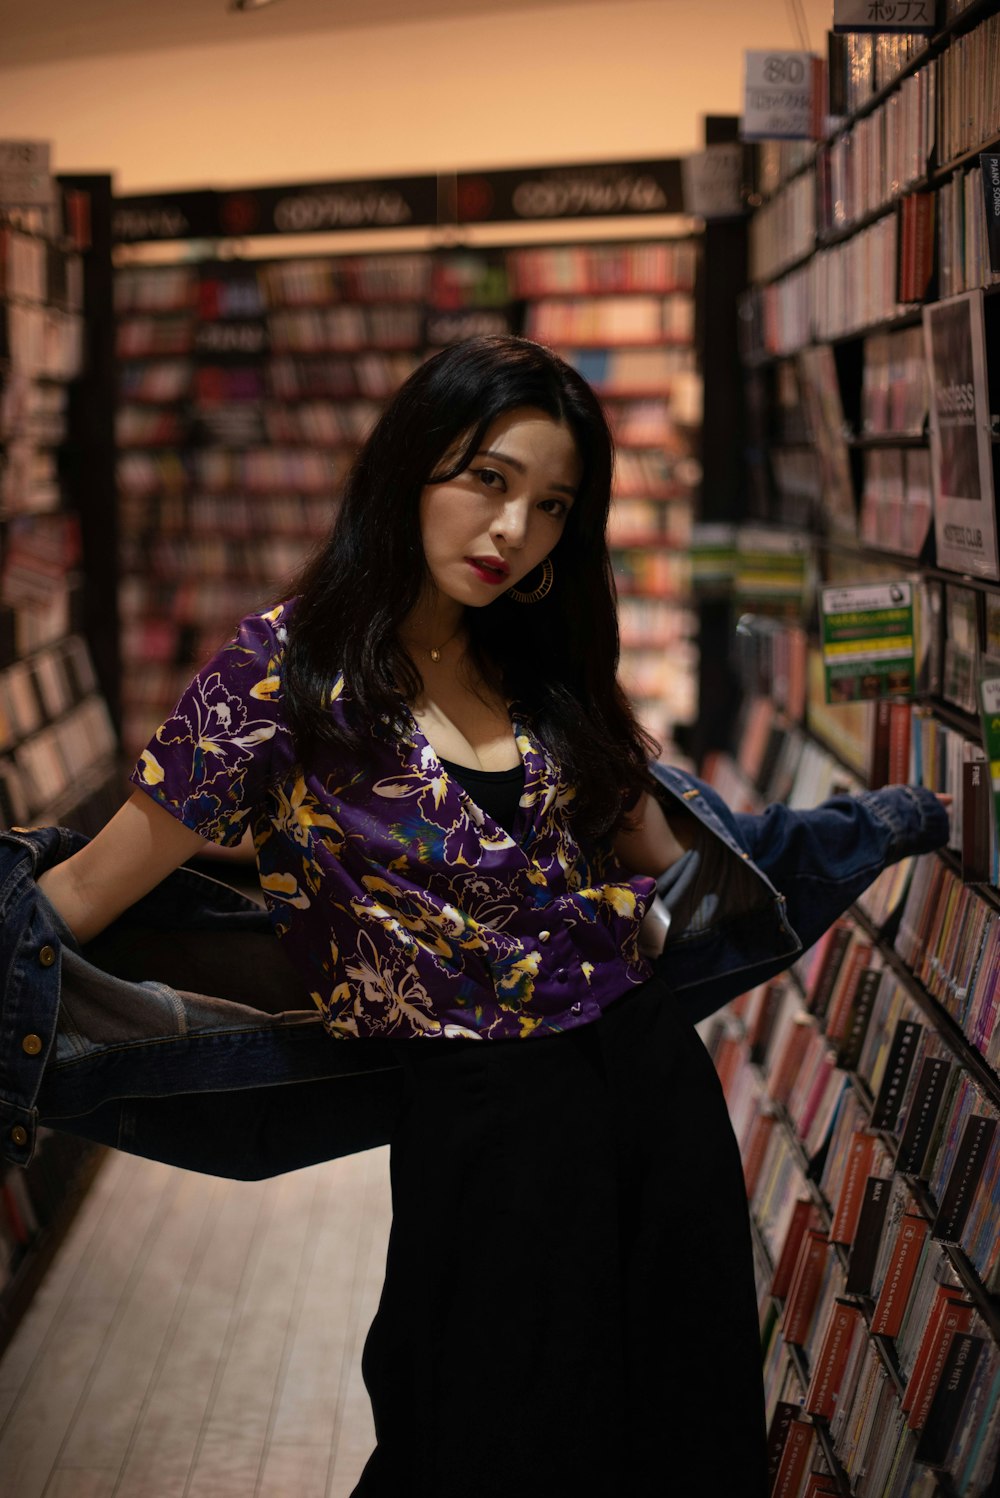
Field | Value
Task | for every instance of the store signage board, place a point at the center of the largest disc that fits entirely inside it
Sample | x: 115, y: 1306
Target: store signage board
x: 326, y: 207
x: 885, y: 15
x: 614, y: 189
x: 965, y: 527
x: 989, y: 161
x: 163, y: 216
x: 867, y: 638
x: 781, y: 96
x: 989, y: 707
x: 308, y: 208
x: 25, y: 173
x: 713, y: 181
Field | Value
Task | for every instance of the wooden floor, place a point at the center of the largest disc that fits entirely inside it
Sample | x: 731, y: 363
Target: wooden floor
x: 198, y: 1338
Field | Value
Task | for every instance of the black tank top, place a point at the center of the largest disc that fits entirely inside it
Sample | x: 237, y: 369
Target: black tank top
x: 497, y: 792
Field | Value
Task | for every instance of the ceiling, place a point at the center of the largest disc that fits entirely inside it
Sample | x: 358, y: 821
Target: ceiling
x: 33, y: 32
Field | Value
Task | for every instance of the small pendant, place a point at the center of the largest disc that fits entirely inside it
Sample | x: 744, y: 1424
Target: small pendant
x: 435, y: 654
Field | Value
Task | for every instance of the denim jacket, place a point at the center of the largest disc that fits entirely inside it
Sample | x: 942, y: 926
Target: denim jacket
x: 177, y: 1032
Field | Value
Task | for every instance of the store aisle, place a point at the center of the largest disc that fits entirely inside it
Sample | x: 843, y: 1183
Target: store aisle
x: 198, y: 1338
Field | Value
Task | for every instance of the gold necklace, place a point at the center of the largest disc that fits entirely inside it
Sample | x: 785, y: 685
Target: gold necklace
x: 434, y: 651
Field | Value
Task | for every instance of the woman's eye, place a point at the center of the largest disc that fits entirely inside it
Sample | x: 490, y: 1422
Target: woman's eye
x: 490, y: 477
x: 555, y: 507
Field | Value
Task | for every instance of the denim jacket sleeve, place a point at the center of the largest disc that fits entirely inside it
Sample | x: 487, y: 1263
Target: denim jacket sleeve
x: 822, y: 859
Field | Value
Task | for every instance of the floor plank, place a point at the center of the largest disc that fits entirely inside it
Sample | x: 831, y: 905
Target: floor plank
x: 198, y: 1338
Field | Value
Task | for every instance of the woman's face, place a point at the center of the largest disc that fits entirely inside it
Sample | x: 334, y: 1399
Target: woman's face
x: 487, y: 528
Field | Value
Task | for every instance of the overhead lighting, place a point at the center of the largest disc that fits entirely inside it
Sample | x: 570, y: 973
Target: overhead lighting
x: 249, y: 4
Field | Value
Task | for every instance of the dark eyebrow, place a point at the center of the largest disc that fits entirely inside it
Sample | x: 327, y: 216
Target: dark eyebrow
x: 487, y: 452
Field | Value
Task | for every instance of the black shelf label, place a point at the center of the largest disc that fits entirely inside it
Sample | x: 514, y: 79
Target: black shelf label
x: 298, y: 208
x: 604, y: 190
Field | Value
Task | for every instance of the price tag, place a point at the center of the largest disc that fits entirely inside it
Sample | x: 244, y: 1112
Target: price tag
x: 867, y: 635
x: 782, y: 96
x: 25, y: 173
x: 713, y: 180
x: 885, y: 15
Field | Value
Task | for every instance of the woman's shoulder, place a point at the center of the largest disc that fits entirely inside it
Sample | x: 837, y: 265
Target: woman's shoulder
x: 264, y: 633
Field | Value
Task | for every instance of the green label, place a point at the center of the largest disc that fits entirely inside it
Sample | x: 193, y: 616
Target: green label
x: 867, y: 634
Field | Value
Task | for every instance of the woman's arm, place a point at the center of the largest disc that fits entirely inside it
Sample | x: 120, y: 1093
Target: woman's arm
x: 139, y: 846
x: 646, y: 843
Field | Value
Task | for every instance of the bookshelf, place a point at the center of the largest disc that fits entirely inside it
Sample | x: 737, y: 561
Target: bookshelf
x: 624, y: 315
x: 59, y: 758
x: 245, y: 387
x: 864, y: 1085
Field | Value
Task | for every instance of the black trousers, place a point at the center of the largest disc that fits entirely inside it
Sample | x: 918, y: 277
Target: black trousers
x: 569, y: 1304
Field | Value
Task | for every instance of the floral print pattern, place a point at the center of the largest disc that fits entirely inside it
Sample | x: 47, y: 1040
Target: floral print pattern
x: 406, y: 909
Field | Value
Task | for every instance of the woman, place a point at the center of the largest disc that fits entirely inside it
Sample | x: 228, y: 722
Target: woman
x: 458, y: 840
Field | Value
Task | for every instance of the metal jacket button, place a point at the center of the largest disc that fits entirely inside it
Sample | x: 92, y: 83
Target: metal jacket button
x: 47, y: 956
x: 544, y: 935
x: 19, y: 1136
x: 31, y: 1045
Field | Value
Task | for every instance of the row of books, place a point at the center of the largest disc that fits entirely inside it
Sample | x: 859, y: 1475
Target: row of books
x: 612, y: 320
x: 950, y: 937
x: 455, y: 279
x: 880, y: 156
x: 648, y: 571
x: 32, y: 412
x: 963, y: 243
x: 234, y: 516
x: 646, y: 472
x: 41, y: 343
x: 861, y: 64
x: 651, y: 674
x: 894, y: 390
x: 648, y: 522
x: 367, y: 278
x: 346, y: 328
x: 42, y: 687
x: 897, y: 503
x: 844, y: 289
x: 647, y: 623
x: 784, y: 229
x: 321, y: 423
x: 172, y: 555
x: 594, y: 270
x: 635, y: 372
x: 643, y: 423
x: 41, y: 553
x: 831, y: 1093
x: 969, y: 91
x: 265, y: 470
x: 371, y: 374
x: 34, y: 269
x: 43, y: 768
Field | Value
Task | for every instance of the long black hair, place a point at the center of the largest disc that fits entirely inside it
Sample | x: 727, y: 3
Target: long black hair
x: 557, y: 658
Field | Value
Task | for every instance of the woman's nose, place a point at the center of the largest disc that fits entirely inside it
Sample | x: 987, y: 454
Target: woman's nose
x: 510, y: 525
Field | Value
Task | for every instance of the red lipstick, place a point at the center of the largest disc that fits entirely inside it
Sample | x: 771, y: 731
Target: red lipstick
x: 490, y: 569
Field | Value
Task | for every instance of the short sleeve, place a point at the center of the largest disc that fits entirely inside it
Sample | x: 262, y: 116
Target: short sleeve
x: 209, y: 762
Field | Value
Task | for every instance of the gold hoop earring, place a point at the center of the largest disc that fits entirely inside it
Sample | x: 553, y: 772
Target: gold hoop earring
x: 548, y: 576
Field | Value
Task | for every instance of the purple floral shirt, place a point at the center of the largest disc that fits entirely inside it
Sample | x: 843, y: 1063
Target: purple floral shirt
x: 406, y: 909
